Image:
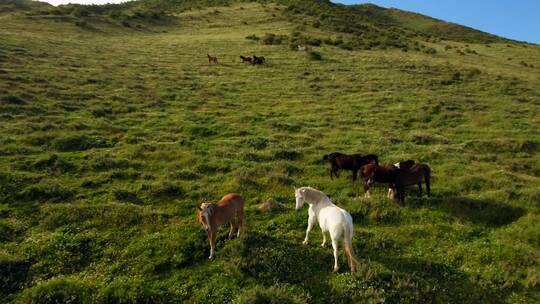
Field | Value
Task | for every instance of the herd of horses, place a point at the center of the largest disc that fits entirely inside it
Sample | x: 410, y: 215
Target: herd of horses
x: 397, y: 176
x: 254, y: 60
x: 331, y: 218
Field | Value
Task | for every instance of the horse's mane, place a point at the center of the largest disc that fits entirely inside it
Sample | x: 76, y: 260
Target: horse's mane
x: 209, y: 207
x: 313, y: 191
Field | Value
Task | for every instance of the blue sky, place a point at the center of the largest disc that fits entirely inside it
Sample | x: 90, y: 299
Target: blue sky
x: 517, y: 19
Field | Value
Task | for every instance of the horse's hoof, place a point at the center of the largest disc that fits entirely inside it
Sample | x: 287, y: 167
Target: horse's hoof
x: 336, y: 269
x: 304, y: 242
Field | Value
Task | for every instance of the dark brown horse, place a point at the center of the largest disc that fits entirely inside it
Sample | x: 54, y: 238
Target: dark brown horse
x: 246, y: 59
x: 354, y: 162
x: 258, y: 60
x: 229, y: 210
x: 397, y: 178
x: 373, y: 173
x: 415, y: 175
x: 405, y: 164
x: 212, y: 59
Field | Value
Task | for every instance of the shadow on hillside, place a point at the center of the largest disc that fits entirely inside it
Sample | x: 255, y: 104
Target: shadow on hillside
x: 477, y: 211
x: 423, y: 281
x: 269, y: 260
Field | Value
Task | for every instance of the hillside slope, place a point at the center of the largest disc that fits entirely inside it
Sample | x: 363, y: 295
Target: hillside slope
x: 114, y: 127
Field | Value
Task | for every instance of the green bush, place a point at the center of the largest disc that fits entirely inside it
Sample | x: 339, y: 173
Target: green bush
x: 47, y: 192
x: 277, y: 294
x: 272, y: 39
x: 314, y: 55
x: 58, y: 290
x: 79, y: 143
x: 13, y: 274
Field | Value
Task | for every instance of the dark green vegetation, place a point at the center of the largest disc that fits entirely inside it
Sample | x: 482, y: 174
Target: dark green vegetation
x: 114, y: 127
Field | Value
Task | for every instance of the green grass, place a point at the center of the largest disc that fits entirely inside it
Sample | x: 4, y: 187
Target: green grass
x: 112, y: 135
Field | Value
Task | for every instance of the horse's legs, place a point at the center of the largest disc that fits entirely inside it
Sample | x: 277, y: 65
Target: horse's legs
x: 366, y: 191
x: 241, y: 224
x: 428, y: 186
x: 311, y: 221
x: 323, y: 238
x: 335, y: 247
x: 401, y: 195
x: 354, y: 174
x: 390, y: 193
x: 212, y: 240
x: 231, y: 230
x: 420, y: 188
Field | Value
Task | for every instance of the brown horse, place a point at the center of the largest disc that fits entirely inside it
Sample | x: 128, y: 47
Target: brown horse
x: 212, y: 59
x: 230, y: 209
x: 415, y: 175
x: 396, y: 178
x: 246, y: 59
x: 373, y: 173
x: 405, y: 164
x: 339, y: 161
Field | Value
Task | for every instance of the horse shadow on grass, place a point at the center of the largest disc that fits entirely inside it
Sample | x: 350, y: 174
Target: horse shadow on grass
x: 489, y: 213
x: 415, y: 280
x: 270, y: 260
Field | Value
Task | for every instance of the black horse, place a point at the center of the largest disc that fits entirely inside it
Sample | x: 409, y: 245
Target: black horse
x: 354, y: 162
x: 258, y: 60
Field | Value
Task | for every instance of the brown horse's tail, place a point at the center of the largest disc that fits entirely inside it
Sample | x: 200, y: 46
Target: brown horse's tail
x: 427, y: 179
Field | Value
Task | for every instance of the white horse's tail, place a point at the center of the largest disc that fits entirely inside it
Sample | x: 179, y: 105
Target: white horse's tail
x: 347, y: 245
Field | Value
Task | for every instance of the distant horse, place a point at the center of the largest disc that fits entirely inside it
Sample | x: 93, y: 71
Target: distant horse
x: 246, y: 59
x: 258, y: 60
x: 212, y: 59
x: 331, y: 219
x: 397, y: 178
x: 415, y: 175
x: 230, y: 209
x: 404, y: 164
x: 373, y: 173
x: 354, y: 162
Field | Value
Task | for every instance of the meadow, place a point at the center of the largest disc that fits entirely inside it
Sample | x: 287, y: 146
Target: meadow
x: 113, y: 131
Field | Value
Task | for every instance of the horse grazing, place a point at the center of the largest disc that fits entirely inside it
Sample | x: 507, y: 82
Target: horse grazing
x: 373, y: 173
x: 411, y: 176
x: 331, y: 219
x: 246, y: 59
x: 258, y: 60
x: 354, y: 162
x: 212, y: 59
x: 230, y: 209
x: 397, y: 178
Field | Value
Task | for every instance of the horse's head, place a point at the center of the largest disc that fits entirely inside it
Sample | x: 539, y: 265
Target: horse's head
x: 300, y: 195
x: 367, y: 173
x: 204, y: 213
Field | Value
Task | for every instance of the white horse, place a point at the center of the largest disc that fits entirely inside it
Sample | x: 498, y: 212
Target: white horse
x: 331, y: 219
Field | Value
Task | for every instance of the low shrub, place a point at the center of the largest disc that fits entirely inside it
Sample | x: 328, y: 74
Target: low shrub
x: 126, y: 196
x: 58, y: 290
x: 314, y: 55
x: 13, y: 274
x: 79, y: 143
x: 47, y: 192
x: 283, y: 294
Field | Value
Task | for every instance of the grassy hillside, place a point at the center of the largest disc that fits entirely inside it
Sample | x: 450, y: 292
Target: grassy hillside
x: 115, y: 127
